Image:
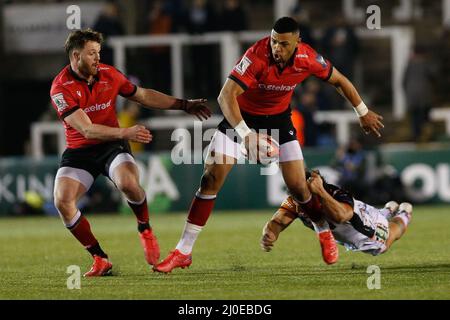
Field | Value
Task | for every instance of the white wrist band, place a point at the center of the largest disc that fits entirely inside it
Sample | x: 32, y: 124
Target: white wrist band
x: 361, y: 110
x: 242, y: 129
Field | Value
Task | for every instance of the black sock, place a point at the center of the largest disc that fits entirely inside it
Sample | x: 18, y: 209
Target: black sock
x: 96, y: 250
x: 143, y: 226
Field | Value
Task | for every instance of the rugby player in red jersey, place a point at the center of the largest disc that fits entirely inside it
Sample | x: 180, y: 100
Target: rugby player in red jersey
x: 84, y: 95
x: 257, y: 95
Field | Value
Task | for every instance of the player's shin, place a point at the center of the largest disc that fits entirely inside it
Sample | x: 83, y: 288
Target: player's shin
x: 140, y: 210
x: 79, y: 226
x: 149, y: 241
x: 199, y: 213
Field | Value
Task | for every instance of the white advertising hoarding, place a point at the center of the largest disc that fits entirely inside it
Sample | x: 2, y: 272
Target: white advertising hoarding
x: 31, y: 28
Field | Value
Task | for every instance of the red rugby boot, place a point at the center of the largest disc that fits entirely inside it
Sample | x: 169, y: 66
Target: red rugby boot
x: 100, y: 267
x: 150, y: 245
x: 174, y: 260
x: 330, y: 252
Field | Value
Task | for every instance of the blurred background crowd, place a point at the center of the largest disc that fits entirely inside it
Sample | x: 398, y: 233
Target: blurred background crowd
x: 26, y: 74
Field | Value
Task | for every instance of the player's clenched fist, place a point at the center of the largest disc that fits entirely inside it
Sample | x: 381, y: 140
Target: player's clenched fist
x: 315, y: 183
x: 138, y: 133
x: 268, y: 238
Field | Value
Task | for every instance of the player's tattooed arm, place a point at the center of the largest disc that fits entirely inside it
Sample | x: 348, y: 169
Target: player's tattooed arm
x: 339, y: 212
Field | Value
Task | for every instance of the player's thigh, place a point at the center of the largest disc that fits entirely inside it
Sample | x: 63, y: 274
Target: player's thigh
x: 124, y: 172
x: 222, y: 154
x: 294, y: 175
x: 223, y: 149
x: 67, y: 191
x: 71, y: 184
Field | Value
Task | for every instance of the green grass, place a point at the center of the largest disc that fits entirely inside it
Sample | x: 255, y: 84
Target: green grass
x: 227, y: 261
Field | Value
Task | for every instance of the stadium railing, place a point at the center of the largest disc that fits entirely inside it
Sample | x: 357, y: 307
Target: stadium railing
x: 401, y: 40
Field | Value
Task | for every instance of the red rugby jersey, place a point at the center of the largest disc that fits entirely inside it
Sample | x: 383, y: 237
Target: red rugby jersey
x: 268, y: 90
x: 69, y: 92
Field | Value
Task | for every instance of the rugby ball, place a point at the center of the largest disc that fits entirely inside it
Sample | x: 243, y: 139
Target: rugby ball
x: 268, y: 149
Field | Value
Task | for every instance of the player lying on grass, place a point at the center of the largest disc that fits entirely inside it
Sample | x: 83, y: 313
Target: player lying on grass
x: 354, y: 224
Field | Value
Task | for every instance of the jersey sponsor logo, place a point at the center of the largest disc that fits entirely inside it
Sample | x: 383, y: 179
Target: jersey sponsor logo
x: 59, y: 101
x: 98, y: 107
x: 68, y: 82
x: 301, y: 55
x: 272, y: 87
x: 321, y: 60
x: 242, y: 66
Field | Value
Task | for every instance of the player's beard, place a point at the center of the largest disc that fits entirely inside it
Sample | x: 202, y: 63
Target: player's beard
x: 87, y: 70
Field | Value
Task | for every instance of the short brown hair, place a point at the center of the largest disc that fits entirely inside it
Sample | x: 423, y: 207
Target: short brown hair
x: 78, y: 38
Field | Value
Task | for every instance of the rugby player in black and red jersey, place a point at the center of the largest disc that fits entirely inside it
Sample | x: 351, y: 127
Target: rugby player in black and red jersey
x: 257, y: 95
x: 84, y: 95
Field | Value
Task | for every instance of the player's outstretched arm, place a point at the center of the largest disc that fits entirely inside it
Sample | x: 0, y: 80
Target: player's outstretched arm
x: 83, y: 124
x: 369, y: 120
x: 272, y: 229
x: 337, y: 211
x: 157, y: 100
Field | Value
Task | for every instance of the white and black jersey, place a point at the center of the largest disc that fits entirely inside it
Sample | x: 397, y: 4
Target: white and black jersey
x: 367, y: 230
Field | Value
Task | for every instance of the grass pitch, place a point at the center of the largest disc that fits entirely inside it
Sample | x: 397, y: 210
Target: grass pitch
x: 227, y: 261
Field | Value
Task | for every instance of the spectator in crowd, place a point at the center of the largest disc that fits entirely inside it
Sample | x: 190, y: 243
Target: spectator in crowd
x: 108, y: 23
x: 308, y: 100
x: 302, y: 16
x: 233, y: 16
x: 160, y: 22
x: 351, y: 164
x: 308, y: 107
x: 341, y: 46
x: 177, y: 11
x: 418, y: 89
x: 202, y: 18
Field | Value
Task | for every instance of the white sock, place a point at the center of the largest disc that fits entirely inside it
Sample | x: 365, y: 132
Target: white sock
x: 190, y: 234
x: 321, y: 226
x: 406, y: 218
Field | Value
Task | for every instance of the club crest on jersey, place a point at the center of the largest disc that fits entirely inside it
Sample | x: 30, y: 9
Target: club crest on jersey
x: 321, y: 60
x: 58, y: 100
x: 242, y: 65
